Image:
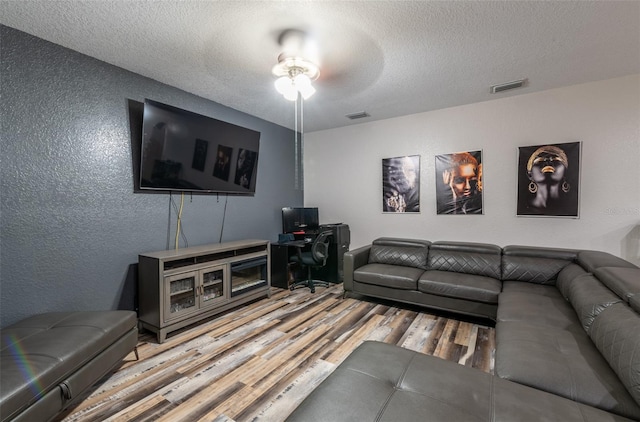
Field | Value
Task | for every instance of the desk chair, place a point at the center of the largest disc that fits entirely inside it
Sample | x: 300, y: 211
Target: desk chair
x: 315, y: 258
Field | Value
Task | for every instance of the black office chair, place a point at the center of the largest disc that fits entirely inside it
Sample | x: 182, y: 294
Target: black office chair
x: 315, y: 258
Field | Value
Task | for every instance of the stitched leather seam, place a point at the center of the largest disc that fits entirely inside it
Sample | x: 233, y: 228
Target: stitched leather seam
x: 396, y: 388
x: 404, y: 373
x: 567, y: 364
x: 386, y: 403
x: 408, y: 390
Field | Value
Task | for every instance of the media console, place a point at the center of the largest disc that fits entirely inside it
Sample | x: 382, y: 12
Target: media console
x: 180, y: 287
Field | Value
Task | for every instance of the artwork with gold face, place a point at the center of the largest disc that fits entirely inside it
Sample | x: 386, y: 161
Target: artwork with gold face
x: 401, y: 184
x: 459, y: 183
x: 548, y: 177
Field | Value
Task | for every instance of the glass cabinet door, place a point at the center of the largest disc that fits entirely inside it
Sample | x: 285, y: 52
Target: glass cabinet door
x: 180, y: 294
x: 212, y: 289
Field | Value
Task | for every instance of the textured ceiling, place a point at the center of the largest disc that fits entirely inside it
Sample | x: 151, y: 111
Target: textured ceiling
x: 388, y: 58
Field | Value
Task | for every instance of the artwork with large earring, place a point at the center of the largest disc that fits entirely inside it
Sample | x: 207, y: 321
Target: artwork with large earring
x: 401, y: 184
x: 548, y: 177
x: 459, y: 183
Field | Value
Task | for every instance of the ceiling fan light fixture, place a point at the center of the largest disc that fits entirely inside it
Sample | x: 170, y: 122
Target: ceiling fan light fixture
x: 289, y: 88
x: 302, y: 83
x: 283, y: 85
x: 302, y: 80
x: 291, y: 95
x: 306, y: 91
x: 295, y: 73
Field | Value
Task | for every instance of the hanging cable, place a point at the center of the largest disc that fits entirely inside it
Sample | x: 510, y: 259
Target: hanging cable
x: 183, y: 234
x: 301, y: 177
x: 179, y: 220
x: 169, y: 222
x: 296, y: 144
x: 224, y: 214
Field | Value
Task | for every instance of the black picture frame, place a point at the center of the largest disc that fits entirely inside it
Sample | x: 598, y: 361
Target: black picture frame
x: 549, y: 180
x: 199, y: 154
x: 245, y: 165
x: 401, y: 184
x: 459, y: 186
x: 222, y: 166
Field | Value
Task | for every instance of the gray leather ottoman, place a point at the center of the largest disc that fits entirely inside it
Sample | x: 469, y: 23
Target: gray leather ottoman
x: 382, y: 382
x: 50, y: 359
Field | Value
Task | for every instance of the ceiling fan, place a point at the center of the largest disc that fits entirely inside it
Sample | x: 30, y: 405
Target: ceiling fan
x: 297, y: 65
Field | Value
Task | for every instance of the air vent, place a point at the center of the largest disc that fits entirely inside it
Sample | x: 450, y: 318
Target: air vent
x: 358, y: 115
x: 507, y: 86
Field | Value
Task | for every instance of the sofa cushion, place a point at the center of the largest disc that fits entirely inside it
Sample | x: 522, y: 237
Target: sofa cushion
x: 562, y: 362
x: 467, y: 258
x: 383, y: 382
x: 405, y: 252
x: 589, y: 297
x: 634, y: 302
x: 625, y: 282
x: 567, y: 277
x: 462, y: 286
x: 395, y: 276
x: 592, y: 260
x: 534, y: 264
x: 616, y: 333
x: 535, y: 304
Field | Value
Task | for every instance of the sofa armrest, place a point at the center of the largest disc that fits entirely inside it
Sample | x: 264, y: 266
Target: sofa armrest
x: 353, y: 260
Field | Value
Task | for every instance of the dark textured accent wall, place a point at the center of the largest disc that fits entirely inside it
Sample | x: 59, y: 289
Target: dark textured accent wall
x: 71, y: 224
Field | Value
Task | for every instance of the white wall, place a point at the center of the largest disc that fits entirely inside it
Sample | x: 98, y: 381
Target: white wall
x: 343, y: 170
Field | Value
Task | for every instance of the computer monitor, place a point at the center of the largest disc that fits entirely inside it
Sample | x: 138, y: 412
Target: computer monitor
x: 300, y: 220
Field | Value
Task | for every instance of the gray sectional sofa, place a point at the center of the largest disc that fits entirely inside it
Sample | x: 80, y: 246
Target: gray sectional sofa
x: 50, y: 359
x: 567, y: 336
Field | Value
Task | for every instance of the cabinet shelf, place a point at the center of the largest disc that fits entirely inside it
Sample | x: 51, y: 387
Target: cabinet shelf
x: 211, y: 297
x: 181, y: 292
x: 211, y: 283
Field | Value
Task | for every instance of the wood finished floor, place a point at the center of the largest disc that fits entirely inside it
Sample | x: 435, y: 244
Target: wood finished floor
x: 260, y: 361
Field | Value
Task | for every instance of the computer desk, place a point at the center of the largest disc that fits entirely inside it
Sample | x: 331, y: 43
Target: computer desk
x: 280, y: 271
x: 333, y: 271
x: 296, y: 243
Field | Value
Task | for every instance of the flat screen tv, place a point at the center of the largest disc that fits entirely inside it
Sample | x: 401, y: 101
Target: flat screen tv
x: 300, y: 220
x: 185, y: 151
